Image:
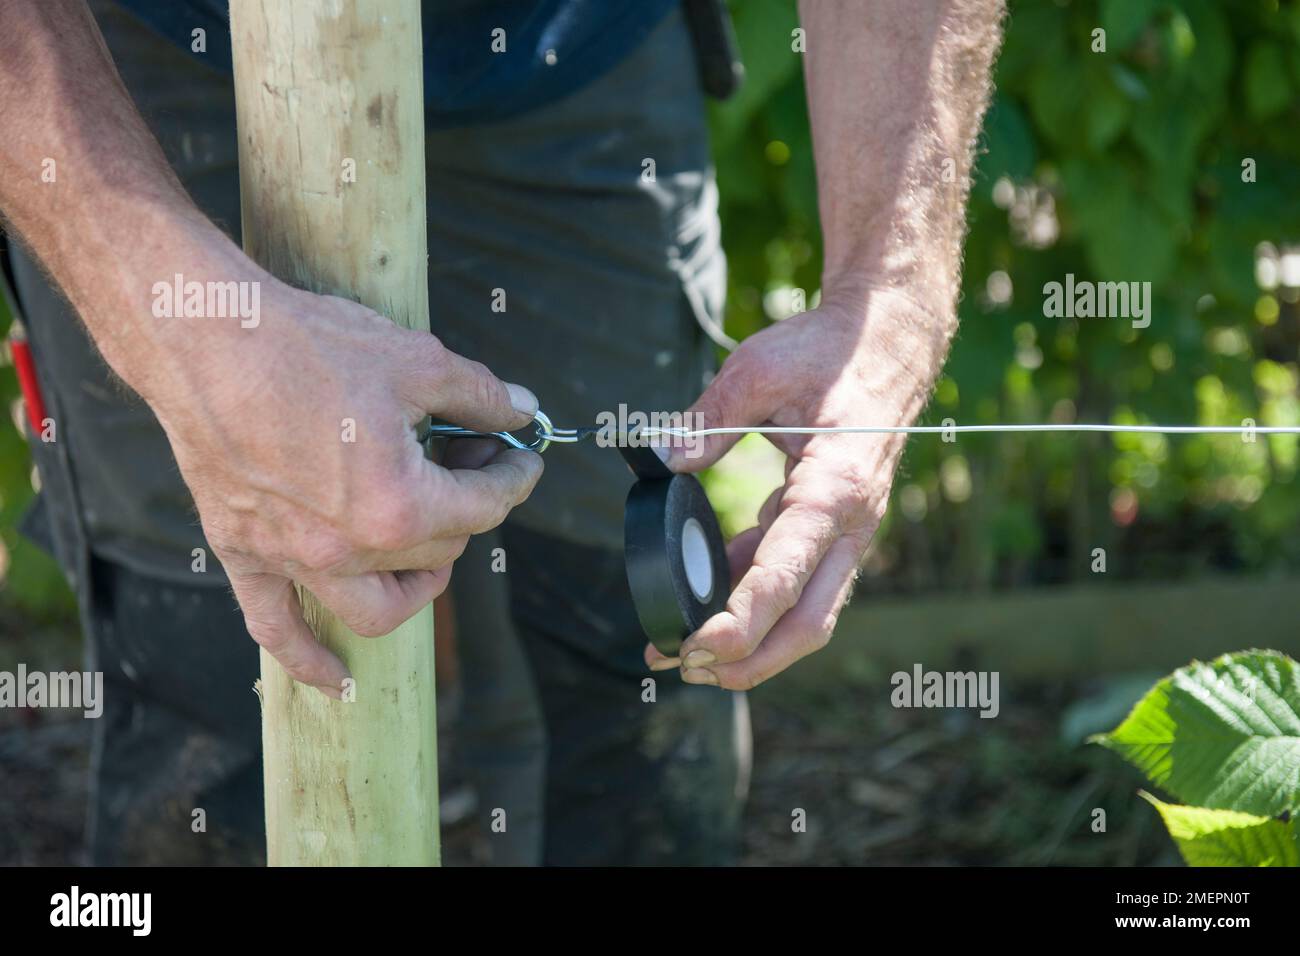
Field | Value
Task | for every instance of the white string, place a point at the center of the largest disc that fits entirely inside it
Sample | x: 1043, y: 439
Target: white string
x: 650, y: 431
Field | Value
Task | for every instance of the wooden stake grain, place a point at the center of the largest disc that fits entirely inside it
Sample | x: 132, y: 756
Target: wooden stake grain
x: 331, y: 158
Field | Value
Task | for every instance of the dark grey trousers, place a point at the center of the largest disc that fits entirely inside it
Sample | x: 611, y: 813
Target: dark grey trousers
x: 596, y: 259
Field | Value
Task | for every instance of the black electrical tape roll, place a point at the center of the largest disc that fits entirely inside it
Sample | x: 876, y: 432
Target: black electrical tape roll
x: 676, y: 560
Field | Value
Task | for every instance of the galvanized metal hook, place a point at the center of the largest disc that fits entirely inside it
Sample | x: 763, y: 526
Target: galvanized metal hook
x: 544, y: 433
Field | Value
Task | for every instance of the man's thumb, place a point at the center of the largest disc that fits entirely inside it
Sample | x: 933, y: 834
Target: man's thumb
x: 728, y: 402
x: 465, y: 392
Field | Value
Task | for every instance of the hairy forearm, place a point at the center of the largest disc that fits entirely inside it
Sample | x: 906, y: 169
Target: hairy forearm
x: 85, y: 185
x: 897, y: 90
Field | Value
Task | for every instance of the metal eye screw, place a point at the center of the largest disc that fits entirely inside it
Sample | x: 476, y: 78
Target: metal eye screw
x: 544, y: 433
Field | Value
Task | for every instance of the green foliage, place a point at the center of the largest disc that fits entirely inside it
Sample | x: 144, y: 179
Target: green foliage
x: 1127, y: 166
x: 1229, y: 838
x: 1225, y: 737
x: 1124, y: 20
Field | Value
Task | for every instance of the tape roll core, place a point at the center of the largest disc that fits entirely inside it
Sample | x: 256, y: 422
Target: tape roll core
x: 696, y: 560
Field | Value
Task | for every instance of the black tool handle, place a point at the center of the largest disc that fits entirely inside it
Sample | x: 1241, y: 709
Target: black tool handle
x: 716, y: 54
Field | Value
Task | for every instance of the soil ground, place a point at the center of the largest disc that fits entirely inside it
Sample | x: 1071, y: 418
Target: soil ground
x: 877, y: 785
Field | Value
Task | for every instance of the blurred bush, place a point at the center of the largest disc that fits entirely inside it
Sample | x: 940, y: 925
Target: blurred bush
x: 1127, y: 165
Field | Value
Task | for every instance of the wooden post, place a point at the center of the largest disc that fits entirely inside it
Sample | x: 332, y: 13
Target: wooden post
x: 331, y: 161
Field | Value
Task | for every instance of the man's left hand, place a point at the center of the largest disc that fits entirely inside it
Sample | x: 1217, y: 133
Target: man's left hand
x: 868, y: 359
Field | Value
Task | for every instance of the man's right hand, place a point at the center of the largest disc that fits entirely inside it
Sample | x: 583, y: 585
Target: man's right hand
x: 297, y: 439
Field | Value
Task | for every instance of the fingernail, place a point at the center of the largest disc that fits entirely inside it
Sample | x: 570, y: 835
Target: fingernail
x: 662, y: 452
x: 700, y: 658
x: 699, y: 676
x: 522, y: 400
x: 666, y: 664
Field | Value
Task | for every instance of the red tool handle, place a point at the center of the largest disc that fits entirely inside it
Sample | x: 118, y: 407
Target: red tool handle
x: 31, y: 388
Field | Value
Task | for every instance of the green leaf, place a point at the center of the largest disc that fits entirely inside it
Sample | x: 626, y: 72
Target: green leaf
x: 1009, y: 144
x: 1034, y: 33
x: 1210, y: 62
x: 1224, y: 735
x: 1125, y: 232
x: 1268, y: 88
x: 1124, y: 20
x: 1108, y: 113
x: 1228, y: 837
x: 1169, y: 128
x: 1056, y: 101
x: 1180, y: 39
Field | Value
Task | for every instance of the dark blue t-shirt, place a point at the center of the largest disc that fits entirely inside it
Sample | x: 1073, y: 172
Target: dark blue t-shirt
x: 552, y: 47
